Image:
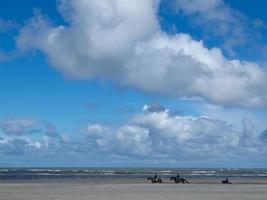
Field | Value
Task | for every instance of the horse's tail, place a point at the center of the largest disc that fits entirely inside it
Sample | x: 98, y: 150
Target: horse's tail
x: 184, y: 180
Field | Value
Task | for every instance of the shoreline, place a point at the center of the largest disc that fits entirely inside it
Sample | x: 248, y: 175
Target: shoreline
x: 131, y: 191
x: 99, y: 181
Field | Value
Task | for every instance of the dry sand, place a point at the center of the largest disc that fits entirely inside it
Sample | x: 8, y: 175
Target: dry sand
x: 82, y: 190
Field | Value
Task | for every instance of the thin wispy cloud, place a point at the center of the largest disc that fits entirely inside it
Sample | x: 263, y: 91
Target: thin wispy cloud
x: 216, y: 19
x: 7, y: 25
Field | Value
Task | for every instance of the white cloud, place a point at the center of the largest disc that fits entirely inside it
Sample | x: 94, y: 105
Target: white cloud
x: 181, y: 66
x: 19, y: 126
x: 96, y: 129
x: 161, y: 135
x: 122, y: 41
x: 126, y: 139
x: 155, y: 135
x: 27, y: 126
x: 186, y: 128
x: 101, y: 34
x: 29, y: 136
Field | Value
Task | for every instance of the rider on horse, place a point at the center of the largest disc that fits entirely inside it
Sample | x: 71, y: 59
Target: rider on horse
x: 178, y: 176
x: 156, y: 177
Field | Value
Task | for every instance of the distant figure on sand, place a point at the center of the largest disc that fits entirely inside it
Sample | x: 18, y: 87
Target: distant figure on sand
x: 226, y: 181
x: 154, y: 179
x: 178, y: 179
x: 156, y: 176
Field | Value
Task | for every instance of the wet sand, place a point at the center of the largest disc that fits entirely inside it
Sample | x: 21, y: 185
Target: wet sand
x: 118, y: 190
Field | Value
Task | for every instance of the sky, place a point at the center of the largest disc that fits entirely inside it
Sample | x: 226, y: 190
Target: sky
x: 133, y: 83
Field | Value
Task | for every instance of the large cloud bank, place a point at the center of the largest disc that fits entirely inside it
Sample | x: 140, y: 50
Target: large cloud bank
x: 122, y: 41
x: 155, y: 136
x: 158, y: 133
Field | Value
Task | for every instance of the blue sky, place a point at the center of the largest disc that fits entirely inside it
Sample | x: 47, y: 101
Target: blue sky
x: 124, y: 83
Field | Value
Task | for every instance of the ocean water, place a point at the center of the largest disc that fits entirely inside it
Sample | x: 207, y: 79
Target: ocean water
x: 201, y: 173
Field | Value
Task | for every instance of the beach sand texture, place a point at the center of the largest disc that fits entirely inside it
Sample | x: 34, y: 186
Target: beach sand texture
x: 85, y: 191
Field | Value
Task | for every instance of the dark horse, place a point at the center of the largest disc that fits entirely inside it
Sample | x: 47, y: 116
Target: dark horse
x: 179, y: 180
x: 226, y: 181
x: 154, y: 180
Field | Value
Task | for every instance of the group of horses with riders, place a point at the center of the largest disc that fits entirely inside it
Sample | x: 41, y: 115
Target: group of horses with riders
x: 177, y: 179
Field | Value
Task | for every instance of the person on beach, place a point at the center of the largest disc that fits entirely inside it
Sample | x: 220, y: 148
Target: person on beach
x: 226, y: 180
x: 156, y: 176
x: 178, y: 176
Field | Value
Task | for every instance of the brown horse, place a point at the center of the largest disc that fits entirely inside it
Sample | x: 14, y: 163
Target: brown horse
x: 154, y: 180
x: 226, y: 181
x: 179, y: 180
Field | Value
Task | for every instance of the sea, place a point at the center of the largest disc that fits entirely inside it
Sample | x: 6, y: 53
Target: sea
x: 128, y: 173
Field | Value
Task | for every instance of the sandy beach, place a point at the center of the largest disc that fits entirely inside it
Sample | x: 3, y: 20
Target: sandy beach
x: 84, y: 190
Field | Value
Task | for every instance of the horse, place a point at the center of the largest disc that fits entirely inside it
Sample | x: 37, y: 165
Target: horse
x: 154, y: 180
x: 179, y: 180
x: 226, y: 181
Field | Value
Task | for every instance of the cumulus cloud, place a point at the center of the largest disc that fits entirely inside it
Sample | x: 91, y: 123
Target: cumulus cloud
x: 117, y: 140
x: 122, y: 41
x: 158, y: 134
x: 27, y: 126
x: 95, y: 30
x: 30, y: 137
x: 154, y: 135
x: 20, y: 126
